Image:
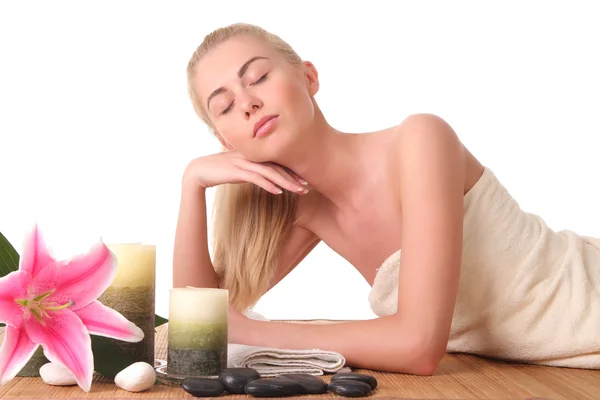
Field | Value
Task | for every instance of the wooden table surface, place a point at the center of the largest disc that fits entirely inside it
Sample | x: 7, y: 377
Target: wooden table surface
x: 458, y: 377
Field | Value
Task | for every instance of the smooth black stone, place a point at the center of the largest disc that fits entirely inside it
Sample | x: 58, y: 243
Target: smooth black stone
x: 273, y: 387
x: 310, y: 383
x: 203, y: 387
x: 236, y: 379
x: 356, y: 377
x: 349, y: 388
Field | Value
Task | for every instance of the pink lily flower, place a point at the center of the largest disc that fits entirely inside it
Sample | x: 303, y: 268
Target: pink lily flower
x: 54, y: 304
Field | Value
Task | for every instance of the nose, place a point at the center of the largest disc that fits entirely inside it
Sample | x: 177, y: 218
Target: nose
x: 249, y: 104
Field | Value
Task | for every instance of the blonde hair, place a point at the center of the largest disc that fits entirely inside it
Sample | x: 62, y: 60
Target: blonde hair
x: 250, y: 225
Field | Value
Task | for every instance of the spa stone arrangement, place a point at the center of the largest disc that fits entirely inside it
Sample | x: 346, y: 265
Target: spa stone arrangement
x: 248, y: 381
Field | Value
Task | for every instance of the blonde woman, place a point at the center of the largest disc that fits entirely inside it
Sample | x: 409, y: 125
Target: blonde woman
x: 476, y: 273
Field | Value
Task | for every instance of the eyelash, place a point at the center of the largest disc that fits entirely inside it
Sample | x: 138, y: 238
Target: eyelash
x: 261, y: 79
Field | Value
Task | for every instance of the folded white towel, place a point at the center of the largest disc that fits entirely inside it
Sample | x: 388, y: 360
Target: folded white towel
x: 270, y: 362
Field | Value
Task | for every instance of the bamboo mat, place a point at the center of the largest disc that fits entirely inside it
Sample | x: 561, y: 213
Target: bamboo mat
x: 458, y: 377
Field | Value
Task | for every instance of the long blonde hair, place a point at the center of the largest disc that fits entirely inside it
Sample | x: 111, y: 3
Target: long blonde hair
x: 250, y: 225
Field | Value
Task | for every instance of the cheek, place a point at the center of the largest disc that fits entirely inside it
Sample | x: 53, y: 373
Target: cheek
x: 231, y: 132
x: 296, y: 97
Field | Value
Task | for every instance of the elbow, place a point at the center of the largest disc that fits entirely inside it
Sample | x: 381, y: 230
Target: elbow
x: 430, y: 350
x: 421, y: 357
x: 426, y: 366
x: 425, y: 362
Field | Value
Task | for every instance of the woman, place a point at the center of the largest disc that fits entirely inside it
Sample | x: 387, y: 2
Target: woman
x: 477, y: 274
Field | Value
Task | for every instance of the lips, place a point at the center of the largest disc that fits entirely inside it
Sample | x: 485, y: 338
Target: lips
x: 261, y: 122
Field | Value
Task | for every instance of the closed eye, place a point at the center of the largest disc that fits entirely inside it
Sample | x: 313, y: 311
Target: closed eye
x: 225, y: 111
x: 262, y: 78
x: 259, y: 80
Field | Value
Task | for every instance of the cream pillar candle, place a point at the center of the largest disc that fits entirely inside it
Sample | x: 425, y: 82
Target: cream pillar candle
x: 132, y: 293
x: 197, y: 333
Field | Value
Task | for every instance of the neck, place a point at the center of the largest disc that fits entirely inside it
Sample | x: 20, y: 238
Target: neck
x: 330, y: 161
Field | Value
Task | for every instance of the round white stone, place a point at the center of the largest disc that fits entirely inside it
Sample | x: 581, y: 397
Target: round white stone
x: 57, y: 375
x: 137, y: 377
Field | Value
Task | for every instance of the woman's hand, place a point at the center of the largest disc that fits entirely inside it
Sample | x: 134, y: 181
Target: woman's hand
x: 231, y: 167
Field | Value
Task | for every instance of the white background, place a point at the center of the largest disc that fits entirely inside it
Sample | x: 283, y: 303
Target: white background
x: 96, y: 126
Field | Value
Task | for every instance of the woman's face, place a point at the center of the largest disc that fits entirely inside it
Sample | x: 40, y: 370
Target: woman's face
x: 242, y: 83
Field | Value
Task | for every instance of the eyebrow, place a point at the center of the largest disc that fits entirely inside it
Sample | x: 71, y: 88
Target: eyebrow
x: 240, y: 73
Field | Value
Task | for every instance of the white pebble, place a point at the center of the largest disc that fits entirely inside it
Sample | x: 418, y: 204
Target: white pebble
x: 57, y: 375
x: 137, y: 377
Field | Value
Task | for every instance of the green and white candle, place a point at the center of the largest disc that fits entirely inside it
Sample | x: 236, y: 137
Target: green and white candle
x: 197, y: 329
x: 132, y: 293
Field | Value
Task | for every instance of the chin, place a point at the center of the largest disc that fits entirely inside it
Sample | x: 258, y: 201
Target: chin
x: 274, y: 146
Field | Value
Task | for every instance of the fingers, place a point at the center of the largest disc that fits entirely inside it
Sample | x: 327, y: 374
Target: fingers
x: 295, y: 176
x: 298, y: 178
x: 281, y: 177
x: 289, y: 175
x: 278, y: 176
x: 260, y: 181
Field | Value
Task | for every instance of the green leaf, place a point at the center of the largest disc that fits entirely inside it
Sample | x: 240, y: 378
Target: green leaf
x: 158, y: 320
x: 109, y: 360
x: 9, y: 258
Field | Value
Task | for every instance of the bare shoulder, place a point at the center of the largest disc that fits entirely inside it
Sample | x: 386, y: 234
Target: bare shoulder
x: 419, y: 127
x: 424, y: 140
x: 421, y: 139
x: 418, y: 132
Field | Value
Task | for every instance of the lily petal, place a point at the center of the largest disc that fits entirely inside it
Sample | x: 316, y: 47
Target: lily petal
x: 15, y: 351
x: 67, y: 342
x: 36, y: 254
x: 104, y: 321
x: 85, y: 277
x: 45, y: 280
x: 13, y: 286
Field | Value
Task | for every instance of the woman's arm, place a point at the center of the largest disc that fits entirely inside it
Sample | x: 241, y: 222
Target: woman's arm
x: 414, y: 339
x: 192, y: 265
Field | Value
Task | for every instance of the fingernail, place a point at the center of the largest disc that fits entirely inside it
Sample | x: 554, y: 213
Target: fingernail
x: 302, y: 181
x: 278, y: 191
x: 300, y: 189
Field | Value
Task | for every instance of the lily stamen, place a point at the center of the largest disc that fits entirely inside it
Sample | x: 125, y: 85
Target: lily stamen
x: 37, y: 305
x: 37, y: 316
x: 43, y: 296
x: 22, y: 302
x: 67, y: 304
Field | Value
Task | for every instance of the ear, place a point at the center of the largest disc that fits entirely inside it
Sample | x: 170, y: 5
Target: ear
x: 312, y: 77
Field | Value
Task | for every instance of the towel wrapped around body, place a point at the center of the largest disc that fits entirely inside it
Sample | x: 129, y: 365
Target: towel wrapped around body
x: 526, y: 293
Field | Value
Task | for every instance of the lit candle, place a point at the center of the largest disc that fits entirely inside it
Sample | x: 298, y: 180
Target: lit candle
x: 132, y: 293
x: 197, y: 331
